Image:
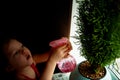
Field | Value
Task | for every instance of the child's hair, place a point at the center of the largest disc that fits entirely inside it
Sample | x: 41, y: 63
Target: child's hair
x: 3, y: 59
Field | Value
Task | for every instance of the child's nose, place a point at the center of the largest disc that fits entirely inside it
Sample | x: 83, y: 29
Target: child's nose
x: 23, y: 51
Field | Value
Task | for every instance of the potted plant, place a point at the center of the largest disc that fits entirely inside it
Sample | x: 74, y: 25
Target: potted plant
x: 98, y: 25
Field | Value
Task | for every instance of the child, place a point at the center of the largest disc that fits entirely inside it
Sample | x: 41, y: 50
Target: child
x: 18, y: 59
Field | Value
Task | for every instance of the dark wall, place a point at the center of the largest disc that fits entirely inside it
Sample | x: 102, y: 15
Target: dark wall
x: 36, y: 23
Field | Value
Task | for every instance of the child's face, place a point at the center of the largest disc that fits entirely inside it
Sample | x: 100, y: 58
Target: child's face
x: 18, y: 55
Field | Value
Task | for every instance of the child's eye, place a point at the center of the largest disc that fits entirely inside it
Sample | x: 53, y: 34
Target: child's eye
x: 20, y: 50
x: 17, y: 52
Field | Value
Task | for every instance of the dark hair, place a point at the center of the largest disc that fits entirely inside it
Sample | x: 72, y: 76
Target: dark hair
x: 3, y: 59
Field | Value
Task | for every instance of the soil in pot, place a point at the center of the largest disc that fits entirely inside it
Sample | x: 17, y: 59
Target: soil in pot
x: 85, y: 70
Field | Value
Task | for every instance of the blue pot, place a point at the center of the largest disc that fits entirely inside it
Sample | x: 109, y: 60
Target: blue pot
x: 75, y: 75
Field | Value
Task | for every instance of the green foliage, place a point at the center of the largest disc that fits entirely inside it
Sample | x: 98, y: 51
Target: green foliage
x: 98, y: 30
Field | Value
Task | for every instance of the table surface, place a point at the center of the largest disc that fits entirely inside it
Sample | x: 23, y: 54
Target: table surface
x: 61, y: 76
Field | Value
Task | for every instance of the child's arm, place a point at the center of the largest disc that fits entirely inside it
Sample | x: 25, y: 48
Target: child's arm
x: 56, y: 55
x: 48, y: 71
x: 54, y: 44
x: 39, y: 58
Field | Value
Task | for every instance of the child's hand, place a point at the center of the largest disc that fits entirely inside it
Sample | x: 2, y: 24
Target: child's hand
x: 58, y: 53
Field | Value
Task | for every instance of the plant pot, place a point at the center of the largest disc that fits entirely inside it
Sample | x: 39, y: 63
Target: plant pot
x: 76, y: 75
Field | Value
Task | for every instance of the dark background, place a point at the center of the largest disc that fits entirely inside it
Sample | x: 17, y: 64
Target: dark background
x: 36, y: 23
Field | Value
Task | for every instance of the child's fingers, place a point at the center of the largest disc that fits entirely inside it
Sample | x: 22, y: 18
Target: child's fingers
x: 65, y: 48
x: 66, y: 55
x: 70, y: 46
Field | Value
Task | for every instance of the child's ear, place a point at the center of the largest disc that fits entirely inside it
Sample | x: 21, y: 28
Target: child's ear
x: 9, y: 68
